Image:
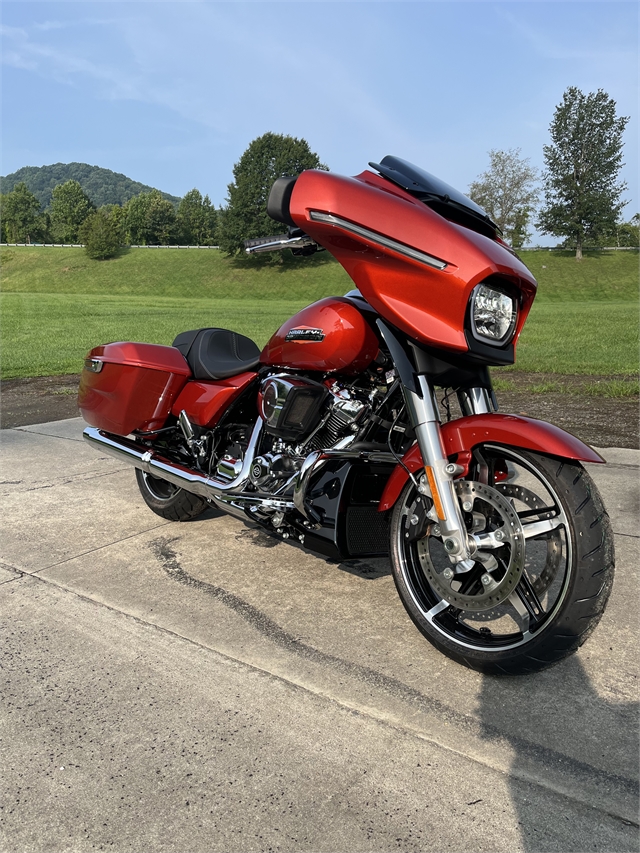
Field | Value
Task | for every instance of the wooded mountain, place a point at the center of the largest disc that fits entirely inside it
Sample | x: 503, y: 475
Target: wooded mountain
x: 101, y: 185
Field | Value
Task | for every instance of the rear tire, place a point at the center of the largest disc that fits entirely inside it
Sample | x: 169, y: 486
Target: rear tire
x: 167, y: 500
x: 566, y: 579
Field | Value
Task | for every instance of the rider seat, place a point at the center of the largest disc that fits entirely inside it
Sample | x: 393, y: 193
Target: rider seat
x: 217, y: 353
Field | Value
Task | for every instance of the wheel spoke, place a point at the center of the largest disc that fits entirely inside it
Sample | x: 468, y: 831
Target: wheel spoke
x: 519, y: 606
x: 545, y: 510
x: 530, y: 597
x: 440, y: 607
x: 538, y: 528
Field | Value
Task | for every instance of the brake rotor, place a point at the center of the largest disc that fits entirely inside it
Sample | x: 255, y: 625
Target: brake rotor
x: 553, y: 539
x: 497, y: 571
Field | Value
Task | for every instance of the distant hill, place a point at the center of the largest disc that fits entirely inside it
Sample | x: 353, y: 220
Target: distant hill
x: 101, y: 185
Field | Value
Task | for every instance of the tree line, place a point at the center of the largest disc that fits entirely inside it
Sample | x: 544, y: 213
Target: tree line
x: 578, y: 196
x: 71, y: 217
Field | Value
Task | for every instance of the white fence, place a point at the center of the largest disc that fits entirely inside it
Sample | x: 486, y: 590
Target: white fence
x: 133, y: 246
x: 81, y: 246
x: 584, y: 249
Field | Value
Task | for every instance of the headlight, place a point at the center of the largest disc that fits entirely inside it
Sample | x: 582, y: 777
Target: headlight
x: 493, y: 315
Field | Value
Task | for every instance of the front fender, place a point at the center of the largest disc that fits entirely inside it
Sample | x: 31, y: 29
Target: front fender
x: 463, y: 434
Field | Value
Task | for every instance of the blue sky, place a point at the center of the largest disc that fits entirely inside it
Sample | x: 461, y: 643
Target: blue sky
x: 171, y: 93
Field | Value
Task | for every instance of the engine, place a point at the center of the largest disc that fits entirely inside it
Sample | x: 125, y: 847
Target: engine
x: 311, y: 414
x: 299, y: 416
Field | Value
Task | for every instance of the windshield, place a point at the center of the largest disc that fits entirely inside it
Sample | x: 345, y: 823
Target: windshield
x: 427, y: 187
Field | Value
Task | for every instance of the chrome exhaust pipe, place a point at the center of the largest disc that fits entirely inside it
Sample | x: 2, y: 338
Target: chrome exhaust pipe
x: 221, y: 492
x: 227, y: 495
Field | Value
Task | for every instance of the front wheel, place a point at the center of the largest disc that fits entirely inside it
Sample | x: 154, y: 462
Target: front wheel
x: 542, y: 572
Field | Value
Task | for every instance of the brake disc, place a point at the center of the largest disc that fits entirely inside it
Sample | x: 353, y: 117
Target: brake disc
x: 497, y: 570
x: 553, y: 539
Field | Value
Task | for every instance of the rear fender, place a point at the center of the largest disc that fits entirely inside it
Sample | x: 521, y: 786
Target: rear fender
x: 462, y: 435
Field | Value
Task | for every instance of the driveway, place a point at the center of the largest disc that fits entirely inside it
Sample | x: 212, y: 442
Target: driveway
x: 202, y: 686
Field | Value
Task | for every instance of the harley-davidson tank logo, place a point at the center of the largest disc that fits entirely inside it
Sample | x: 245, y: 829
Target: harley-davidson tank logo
x: 305, y: 335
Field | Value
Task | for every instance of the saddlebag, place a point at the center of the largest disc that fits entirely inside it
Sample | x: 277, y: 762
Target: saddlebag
x: 130, y: 386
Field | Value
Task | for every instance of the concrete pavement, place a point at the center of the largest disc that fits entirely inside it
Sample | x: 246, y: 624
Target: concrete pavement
x: 206, y: 687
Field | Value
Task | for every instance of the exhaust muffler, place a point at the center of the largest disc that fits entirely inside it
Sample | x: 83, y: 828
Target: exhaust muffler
x: 223, y: 493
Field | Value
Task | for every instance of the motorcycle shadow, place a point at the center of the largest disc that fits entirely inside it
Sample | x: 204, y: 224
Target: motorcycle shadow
x: 368, y: 568
x: 586, y: 734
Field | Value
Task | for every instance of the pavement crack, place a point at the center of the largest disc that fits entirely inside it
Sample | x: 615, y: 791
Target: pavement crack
x: 46, y: 434
x: 35, y: 572
x: 16, y: 574
x: 538, y: 754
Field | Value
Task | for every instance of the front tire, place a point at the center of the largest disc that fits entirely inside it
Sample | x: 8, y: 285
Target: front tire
x: 563, y: 578
x: 167, y: 500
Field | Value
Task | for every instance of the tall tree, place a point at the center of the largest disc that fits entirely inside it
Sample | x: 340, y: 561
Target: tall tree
x: 149, y: 219
x: 508, y: 192
x: 22, y: 219
x: 581, y: 186
x: 70, y: 206
x: 196, y: 219
x: 268, y: 157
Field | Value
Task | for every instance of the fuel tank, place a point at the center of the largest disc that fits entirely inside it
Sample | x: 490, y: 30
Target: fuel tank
x: 330, y: 336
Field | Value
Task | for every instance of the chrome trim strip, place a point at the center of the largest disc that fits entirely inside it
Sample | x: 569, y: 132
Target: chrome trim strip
x: 374, y: 237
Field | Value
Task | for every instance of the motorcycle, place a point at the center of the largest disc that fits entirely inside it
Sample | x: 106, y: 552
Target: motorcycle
x: 368, y: 424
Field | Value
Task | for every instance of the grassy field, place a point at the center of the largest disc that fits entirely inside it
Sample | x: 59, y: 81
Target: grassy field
x: 46, y: 334
x: 57, y: 304
x: 180, y: 273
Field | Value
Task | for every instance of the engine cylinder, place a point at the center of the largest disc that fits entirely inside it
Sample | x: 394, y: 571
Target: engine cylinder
x: 292, y: 406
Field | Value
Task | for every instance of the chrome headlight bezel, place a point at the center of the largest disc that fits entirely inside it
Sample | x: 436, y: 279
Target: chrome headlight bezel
x: 479, y: 302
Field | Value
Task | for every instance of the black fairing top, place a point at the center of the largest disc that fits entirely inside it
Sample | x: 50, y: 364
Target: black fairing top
x: 280, y: 199
x: 443, y: 198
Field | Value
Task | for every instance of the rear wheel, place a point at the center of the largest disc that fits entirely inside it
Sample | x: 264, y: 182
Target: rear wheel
x: 542, y: 571
x: 167, y: 500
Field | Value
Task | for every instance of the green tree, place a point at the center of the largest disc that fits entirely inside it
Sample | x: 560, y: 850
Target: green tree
x: 196, y: 219
x: 508, y: 192
x: 22, y: 219
x: 581, y: 186
x: 149, y: 219
x: 625, y: 234
x: 101, y: 234
x: 269, y: 157
x: 628, y: 233
x: 161, y: 219
x: 70, y: 206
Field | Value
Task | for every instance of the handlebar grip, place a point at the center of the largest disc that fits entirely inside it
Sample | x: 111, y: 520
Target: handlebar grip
x: 300, y: 243
x: 265, y: 241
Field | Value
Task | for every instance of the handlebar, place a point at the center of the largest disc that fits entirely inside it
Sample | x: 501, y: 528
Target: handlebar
x: 278, y: 241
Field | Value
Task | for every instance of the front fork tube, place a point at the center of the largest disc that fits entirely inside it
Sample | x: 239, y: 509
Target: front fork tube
x: 439, y: 473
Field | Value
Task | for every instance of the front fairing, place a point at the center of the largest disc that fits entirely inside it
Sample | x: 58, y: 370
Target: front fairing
x: 416, y: 268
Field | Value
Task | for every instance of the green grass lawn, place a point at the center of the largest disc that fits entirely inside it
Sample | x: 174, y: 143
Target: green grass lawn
x: 57, y: 304
x: 47, y: 334
x: 182, y: 273
x: 580, y: 337
x: 599, y: 276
